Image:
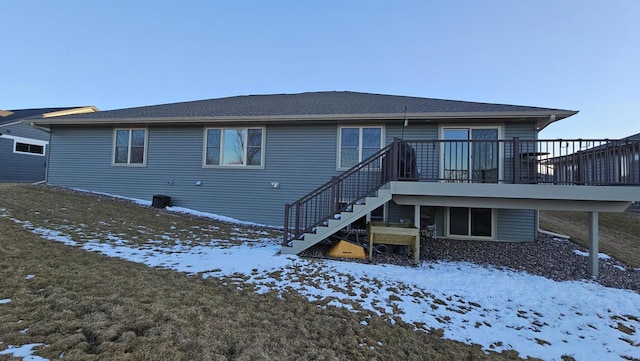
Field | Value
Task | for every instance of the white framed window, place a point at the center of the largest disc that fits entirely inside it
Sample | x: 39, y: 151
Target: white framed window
x: 357, y: 143
x: 28, y: 146
x: 465, y: 222
x: 234, y: 147
x: 130, y: 146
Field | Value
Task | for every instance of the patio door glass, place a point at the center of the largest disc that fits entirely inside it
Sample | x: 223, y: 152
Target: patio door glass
x: 471, y: 155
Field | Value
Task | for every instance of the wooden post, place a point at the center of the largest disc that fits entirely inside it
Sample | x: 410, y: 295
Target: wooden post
x: 593, y: 244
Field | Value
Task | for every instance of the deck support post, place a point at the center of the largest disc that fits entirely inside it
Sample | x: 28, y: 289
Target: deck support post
x: 593, y: 244
x: 416, y: 216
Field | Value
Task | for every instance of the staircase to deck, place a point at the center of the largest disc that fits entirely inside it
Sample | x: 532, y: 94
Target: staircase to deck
x: 343, y: 200
x: 338, y: 222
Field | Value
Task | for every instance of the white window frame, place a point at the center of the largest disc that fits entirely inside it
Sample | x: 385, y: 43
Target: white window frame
x: 128, y: 163
x: 501, y: 156
x: 42, y: 143
x: 237, y: 166
x: 359, y: 127
x: 447, y: 225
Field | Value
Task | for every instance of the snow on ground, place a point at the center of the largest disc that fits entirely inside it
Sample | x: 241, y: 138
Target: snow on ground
x: 24, y: 351
x: 498, y: 309
x: 586, y: 254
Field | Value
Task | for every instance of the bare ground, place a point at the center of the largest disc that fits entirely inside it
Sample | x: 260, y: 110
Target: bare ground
x: 619, y: 234
x: 85, y: 306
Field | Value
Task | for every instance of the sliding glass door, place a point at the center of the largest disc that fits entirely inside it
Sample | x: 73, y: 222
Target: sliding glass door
x: 471, y: 155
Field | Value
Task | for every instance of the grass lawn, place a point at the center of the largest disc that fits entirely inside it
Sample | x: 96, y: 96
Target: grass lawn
x: 619, y: 234
x: 86, y: 306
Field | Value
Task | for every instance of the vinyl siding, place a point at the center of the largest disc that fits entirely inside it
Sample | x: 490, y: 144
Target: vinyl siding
x: 15, y: 167
x: 516, y: 225
x: 299, y: 158
x: 525, y: 130
x: 398, y: 213
x: 25, y: 131
x: 519, y: 130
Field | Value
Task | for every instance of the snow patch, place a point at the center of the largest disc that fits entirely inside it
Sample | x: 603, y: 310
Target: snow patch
x: 586, y: 254
x: 24, y: 351
x: 498, y: 309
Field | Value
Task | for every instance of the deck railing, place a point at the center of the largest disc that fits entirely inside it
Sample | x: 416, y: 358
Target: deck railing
x: 563, y: 162
x: 568, y: 162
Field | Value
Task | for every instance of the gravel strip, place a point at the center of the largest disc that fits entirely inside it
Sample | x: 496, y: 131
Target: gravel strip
x: 549, y: 257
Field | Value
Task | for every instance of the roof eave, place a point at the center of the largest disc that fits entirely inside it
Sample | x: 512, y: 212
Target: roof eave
x: 543, y: 123
x: 548, y: 114
x: 71, y: 111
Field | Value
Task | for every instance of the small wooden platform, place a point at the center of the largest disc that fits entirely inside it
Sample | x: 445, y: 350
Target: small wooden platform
x: 399, y: 234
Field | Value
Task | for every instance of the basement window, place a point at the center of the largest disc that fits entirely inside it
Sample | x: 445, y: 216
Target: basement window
x: 471, y: 222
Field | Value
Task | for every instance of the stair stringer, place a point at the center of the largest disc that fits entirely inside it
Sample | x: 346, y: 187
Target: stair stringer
x: 334, y: 225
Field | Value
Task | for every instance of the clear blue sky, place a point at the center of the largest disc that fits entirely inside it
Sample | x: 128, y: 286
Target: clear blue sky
x: 569, y: 54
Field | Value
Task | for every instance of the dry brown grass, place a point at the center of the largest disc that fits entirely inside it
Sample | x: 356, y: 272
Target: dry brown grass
x: 619, y: 233
x: 92, y: 307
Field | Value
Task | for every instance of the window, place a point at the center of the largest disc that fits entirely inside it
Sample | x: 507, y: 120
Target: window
x: 29, y: 148
x: 130, y: 147
x: 475, y: 222
x: 357, y: 143
x: 471, y: 155
x: 234, y: 147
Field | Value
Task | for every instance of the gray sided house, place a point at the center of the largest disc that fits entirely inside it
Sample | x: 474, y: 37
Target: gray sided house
x: 23, y: 148
x: 313, y: 163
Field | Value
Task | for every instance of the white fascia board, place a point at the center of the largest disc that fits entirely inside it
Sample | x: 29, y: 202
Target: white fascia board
x: 25, y: 140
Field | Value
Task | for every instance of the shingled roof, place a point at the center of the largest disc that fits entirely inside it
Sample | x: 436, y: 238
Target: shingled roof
x: 15, y: 115
x: 12, y: 116
x: 311, y: 105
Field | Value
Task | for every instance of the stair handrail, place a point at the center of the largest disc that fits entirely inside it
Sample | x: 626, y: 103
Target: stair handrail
x: 293, y: 229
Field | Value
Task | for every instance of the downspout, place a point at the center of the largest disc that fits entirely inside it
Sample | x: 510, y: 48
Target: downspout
x: 48, y: 131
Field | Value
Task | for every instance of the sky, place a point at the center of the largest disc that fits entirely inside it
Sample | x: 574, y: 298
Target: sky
x: 570, y: 54
x: 578, y: 318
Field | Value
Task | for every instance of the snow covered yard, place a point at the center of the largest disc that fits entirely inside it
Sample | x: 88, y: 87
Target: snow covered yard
x: 498, y: 309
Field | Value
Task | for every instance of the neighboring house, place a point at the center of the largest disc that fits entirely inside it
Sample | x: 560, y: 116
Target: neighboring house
x: 598, y: 162
x: 602, y: 162
x: 23, y: 148
x: 332, y: 158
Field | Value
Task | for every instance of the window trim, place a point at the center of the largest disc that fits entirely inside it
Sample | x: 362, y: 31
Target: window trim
x: 494, y: 225
x: 42, y: 143
x: 146, y: 148
x: 234, y: 166
x: 359, y: 127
